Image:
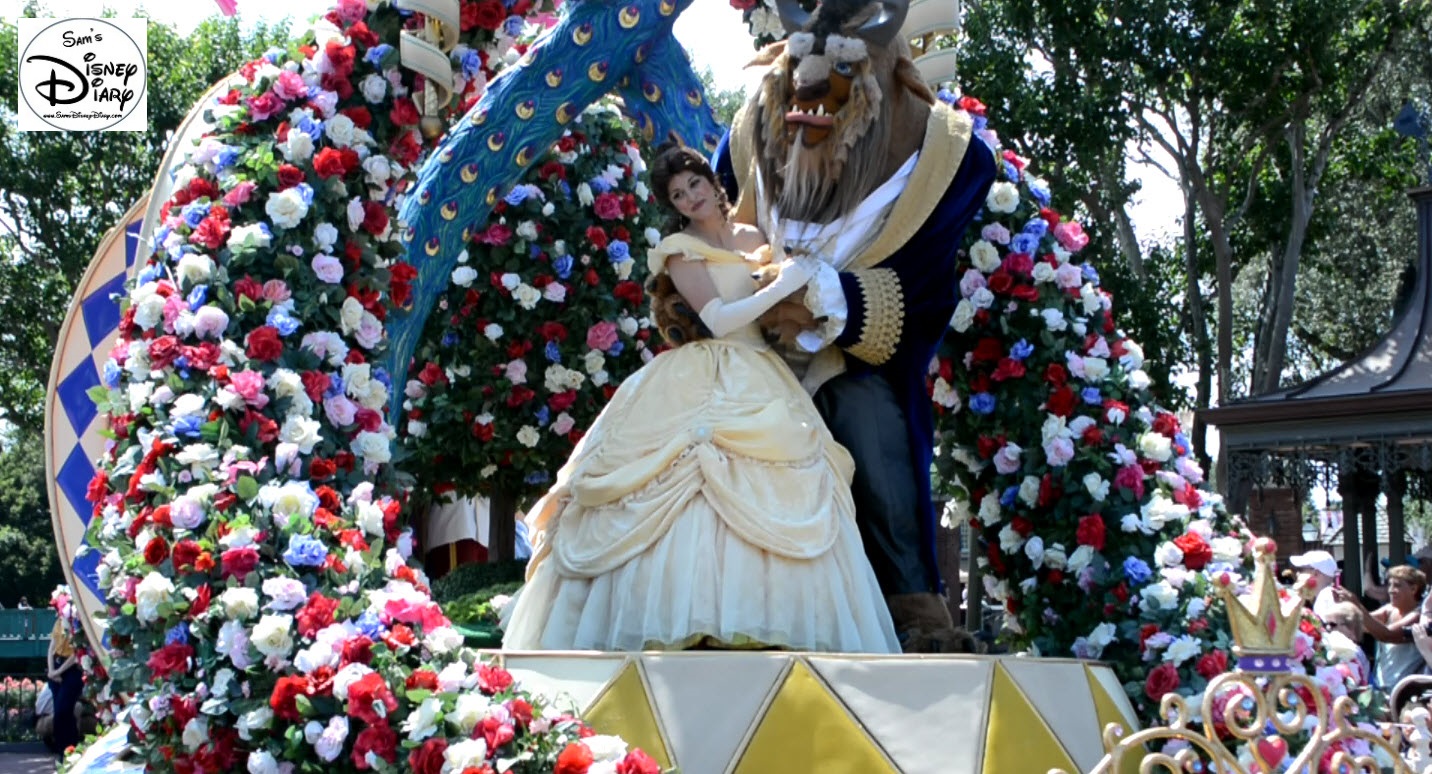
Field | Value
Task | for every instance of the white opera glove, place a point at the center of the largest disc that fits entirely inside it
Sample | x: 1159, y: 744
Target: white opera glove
x: 723, y: 317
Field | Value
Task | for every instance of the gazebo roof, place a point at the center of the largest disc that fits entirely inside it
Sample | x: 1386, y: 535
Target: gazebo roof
x: 1386, y: 392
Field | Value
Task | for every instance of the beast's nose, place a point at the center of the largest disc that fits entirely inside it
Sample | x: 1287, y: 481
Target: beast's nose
x: 808, y: 92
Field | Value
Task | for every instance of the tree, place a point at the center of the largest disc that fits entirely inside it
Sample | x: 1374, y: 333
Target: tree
x: 32, y: 569
x: 724, y: 103
x: 60, y: 192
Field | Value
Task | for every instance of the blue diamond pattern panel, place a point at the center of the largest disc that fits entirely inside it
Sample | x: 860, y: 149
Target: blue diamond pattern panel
x: 86, y: 569
x: 74, y: 395
x: 74, y: 478
x: 101, y: 310
x: 131, y: 242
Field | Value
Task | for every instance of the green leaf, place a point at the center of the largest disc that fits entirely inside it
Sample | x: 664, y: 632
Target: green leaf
x: 247, y: 488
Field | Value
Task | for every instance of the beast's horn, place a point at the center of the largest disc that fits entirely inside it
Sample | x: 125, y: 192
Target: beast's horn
x: 884, y: 25
x: 793, y: 17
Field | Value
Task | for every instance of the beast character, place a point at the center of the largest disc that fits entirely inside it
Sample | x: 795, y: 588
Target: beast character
x: 844, y: 154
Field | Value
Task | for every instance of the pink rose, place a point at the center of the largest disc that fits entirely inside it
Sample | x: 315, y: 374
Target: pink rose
x: 240, y: 193
x: 1071, y: 235
x: 602, y: 335
x: 340, y: 410
x: 995, y: 232
x: 608, y: 206
x: 210, y: 322
x: 563, y: 424
x: 250, y: 386
x: 328, y: 268
x: 290, y: 86
x: 276, y: 291
x: 173, y: 306
x: 1130, y: 477
x: 517, y: 372
x: 496, y: 235
x: 350, y: 11
x: 264, y: 106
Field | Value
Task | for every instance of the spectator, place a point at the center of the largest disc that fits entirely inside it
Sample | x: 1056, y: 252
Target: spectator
x: 1320, y: 570
x: 23, y: 604
x: 1346, y: 619
x: 66, y: 682
x: 1397, y: 655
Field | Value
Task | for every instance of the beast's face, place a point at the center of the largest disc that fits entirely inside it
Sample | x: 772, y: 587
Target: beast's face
x: 822, y: 76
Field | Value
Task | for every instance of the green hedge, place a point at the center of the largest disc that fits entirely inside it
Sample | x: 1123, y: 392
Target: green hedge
x: 473, y: 578
x: 474, y: 609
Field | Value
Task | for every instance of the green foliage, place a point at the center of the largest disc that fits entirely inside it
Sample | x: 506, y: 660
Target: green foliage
x: 61, y: 191
x: 32, y: 567
x: 470, y: 579
x: 476, y: 609
x: 724, y: 103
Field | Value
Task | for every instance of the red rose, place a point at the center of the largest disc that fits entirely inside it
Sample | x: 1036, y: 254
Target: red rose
x: 575, y: 758
x: 156, y: 551
x: 1061, y: 402
x: 98, y: 487
x: 204, y: 593
x: 607, y: 206
x: 406, y: 148
x: 378, y: 739
x: 369, y: 691
x: 284, y: 699
x: 493, y: 680
x: 329, y: 163
x: 628, y: 291
x: 315, y: 615
x: 212, y: 232
x: 358, y: 650
x: 562, y: 400
x: 359, y: 115
x: 1162, y: 680
x: 1022, y: 525
x: 428, y: 759
x: 238, y: 562
x: 1091, y: 531
x: 988, y: 350
x: 289, y: 176
x: 404, y: 113
x: 1196, y: 551
x: 488, y: 14
x: 1166, y: 424
x: 170, y: 659
x: 1212, y: 664
x: 1001, y: 281
x: 521, y: 712
x: 495, y: 732
x: 340, y: 56
x: 359, y: 33
x: 375, y: 217
x: 423, y: 679
x: 597, y: 236
x: 264, y: 344
x: 186, y: 552
x: 1008, y: 368
x: 163, y: 351
x: 636, y: 761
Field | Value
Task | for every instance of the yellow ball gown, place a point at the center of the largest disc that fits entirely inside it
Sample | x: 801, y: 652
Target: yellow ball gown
x: 707, y: 506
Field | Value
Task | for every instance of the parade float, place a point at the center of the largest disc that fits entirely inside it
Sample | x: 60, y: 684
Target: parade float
x: 239, y: 363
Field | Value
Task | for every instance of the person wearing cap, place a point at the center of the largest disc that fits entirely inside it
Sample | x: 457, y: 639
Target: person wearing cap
x: 1320, y: 570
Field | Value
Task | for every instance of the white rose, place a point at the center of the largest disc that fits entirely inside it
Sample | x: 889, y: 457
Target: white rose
x: 262, y: 762
x: 196, y: 733
x: 528, y: 436
x: 526, y: 296
x: 990, y: 510
x: 1009, y: 540
x: 1168, y: 555
x: 196, y: 269
x: 1043, y: 272
x: 1081, y: 558
x: 272, y: 635
x: 1182, y: 649
x: 584, y: 195
x: 374, y: 87
x: 493, y: 331
x: 373, y: 447
x: 1055, y: 558
x: 298, y: 147
x: 302, y: 432
x: 284, y: 593
x: 1155, y: 446
x: 1103, y: 635
x: 1003, y: 197
x: 964, y: 316
x: 469, y: 752
x: 423, y: 722
x: 339, y: 129
x: 286, y: 208
x: 330, y: 743
x: 527, y: 230
x: 606, y: 748
x: 377, y: 169
x: 148, y: 313
x: 1226, y: 549
x: 443, y: 639
x: 1029, y: 490
x: 1034, y: 549
x: 1054, y: 319
x: 253, y: 720
x: 153, y: 591
x: 239, y: 603
x: 350, y: 315
x: 1161, y: 596
x: 1097, y: 487
x: 1095, y: 369
x: 510, y: 281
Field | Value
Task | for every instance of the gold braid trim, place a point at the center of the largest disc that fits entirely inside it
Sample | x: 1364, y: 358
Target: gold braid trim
x: 884, y: 315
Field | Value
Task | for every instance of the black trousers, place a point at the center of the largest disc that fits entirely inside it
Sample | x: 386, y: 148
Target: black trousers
x: 864, y: 416
x: 66, y: 693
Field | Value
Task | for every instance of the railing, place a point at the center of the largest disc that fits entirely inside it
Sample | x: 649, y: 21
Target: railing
x: 25, y: 633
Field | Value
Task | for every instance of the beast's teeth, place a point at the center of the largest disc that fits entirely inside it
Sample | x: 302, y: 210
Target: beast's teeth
x: 820, y: 109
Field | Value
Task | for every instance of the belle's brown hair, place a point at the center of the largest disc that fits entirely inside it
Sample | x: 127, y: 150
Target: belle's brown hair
x: 675, y: 318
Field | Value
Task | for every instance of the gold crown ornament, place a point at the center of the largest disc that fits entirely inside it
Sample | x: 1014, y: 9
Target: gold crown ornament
x: 1263, y: 623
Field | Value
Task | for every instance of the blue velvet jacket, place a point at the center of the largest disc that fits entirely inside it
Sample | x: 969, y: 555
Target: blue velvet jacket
x: 902, y: 292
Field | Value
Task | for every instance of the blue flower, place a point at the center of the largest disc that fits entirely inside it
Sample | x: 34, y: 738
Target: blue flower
x: 533, y: 250
x: 980, y: 123
x: 1091, y: 396
x: 197, y: 297
x: 471, y: 64
x: 544, y: 416
x: 305, y: 191
x: 1011, y: 172
x: 187, y: 426
x: 304, y: 551
x: 599, y: 184
x: 311, y: 127
x: 375, y: 54
x: 1024, y: 243
x: 513, y: 25
x: 1038, y: 227
x: 946, y: 96
x: 369, y: 625
x: 195, y: 212
x: 335, y: 386
x: 538, y: 477
x: 112, y: 372
x: 274, y: 54
x: 449, y: 339
x: 381, y: 374
x: 982, y: 403
x: 553, y: 352
x: 227, y: 157
x: 1007, y: 499
x: 618, y: 251
x: 516, y: 196
x: 1181, y: 440
x: 562, y: 264
x: 565, y: 188
x: 179, y: 634
x: 280, y: 318
x: 1040, y: 191
x: 1136, y: 570
x: 1021, y: 350
x: 1090, y: 273
x: 149, y: 273
x: 616, y: 348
